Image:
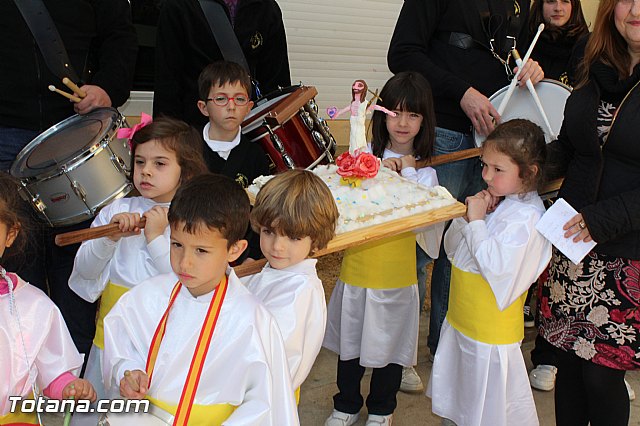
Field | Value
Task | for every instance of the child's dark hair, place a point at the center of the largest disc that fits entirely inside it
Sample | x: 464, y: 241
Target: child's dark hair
x: 523, y: 142
x: 297, y: 203
x: 177, y: 136
x: 220, y: 73
x: 214, y: 201
x: 406, y: 91
x: 14, y: 213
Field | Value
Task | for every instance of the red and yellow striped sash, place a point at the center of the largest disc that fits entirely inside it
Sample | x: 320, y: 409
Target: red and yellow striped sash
x: 200, y: 353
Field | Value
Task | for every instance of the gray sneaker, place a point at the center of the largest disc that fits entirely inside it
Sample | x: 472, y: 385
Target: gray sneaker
x: 411, y: 382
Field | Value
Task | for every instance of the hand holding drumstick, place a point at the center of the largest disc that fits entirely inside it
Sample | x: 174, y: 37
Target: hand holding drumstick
x: 134, y: 384
x: 85, y: 98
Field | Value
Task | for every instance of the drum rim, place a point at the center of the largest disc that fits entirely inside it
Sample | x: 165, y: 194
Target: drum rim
x: 503, y: 89
x: 74, y: 160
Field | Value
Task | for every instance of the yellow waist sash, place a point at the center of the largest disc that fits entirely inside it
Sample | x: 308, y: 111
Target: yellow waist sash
x: 19, y: 417
x: 201, y: 415
x: 384, y: 264
x: 109, y: 297
x: 473, y: 311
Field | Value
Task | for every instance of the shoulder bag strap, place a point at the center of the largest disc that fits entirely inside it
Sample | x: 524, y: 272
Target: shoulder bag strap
x: 223, y: 33
x: 47, y: 37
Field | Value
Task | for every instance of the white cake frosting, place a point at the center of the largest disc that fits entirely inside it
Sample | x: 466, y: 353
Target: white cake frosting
x: 380, y: 199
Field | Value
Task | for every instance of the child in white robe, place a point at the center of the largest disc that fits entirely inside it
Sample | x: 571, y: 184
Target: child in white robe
x: 164, y: 154
x: 295, y: 215
x: 36, y: 350
x: 478, y: 375
x: 196, y: 342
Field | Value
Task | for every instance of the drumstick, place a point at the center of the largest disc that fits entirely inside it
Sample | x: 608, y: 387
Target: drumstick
x: 65, y: 94
x: 71, y: 85
x: 512, y: 86
x: 91, y: 233
x: 536, y: 99
x: 132, y: 383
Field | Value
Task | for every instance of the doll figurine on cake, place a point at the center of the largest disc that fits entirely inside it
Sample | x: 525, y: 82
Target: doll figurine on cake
x: 356, y: 164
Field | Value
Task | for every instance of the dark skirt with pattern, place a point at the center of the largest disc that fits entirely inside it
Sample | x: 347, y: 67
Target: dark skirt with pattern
x: 593, y: 309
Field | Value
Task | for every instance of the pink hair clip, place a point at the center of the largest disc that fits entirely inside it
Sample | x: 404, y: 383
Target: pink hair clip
x: 128, y: 132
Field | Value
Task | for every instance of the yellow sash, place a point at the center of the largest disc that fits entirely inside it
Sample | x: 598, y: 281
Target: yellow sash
x: 109, y: 297
x: 473, y: 311
x: 185, y: 406
x: 19, y: 417
x: 384, y: 264
x: 201, y: 415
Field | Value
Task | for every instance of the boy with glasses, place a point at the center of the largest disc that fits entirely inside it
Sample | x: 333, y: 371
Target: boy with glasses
x: 224, y: 89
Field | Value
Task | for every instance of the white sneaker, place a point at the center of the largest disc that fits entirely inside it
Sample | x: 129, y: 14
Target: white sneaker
x: 543, y: 377
x: 630, y: 391
x: 376, y: 420
x: 410, y: 381
x: 338, y: 418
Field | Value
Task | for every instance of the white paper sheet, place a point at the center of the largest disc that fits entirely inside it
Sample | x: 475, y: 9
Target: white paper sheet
x: 550, y: 226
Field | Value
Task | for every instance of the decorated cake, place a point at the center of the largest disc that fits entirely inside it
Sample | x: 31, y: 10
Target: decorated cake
x: 382, y: 198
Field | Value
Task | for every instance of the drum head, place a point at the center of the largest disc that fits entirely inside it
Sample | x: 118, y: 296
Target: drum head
x: 63, y: 142
x: 553, y: 95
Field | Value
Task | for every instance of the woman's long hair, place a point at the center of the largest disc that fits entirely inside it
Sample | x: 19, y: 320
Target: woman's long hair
x: 605, y: 45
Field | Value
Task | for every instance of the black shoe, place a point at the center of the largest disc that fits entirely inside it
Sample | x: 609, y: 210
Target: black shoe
x: 529, y: 319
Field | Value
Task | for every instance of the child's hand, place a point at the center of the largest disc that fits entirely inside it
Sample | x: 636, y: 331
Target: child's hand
x: 127, y: 224
x: 394, y: 164
x: 157, y: 221
x: 494, y: 201
x: 79, y: 389
x: 134, y: 384
x: 477, y: 206
x: 408, y: 161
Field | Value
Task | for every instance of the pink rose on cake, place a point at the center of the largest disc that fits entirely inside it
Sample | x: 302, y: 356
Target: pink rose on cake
x: 346, y: 164
x: 367, y: 165
x: 364, y: 165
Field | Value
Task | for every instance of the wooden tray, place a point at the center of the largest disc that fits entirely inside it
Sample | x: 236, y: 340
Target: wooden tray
x: 372, y: 233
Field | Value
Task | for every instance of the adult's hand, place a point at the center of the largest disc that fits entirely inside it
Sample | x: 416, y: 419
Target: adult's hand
x: 96, y: 97
x: 482, y: 114
x: 530, y: 71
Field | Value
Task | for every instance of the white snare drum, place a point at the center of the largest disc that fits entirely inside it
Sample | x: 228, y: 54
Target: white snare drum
x: 77, y: 166
x: 553, y: 95
x: 156, y: 416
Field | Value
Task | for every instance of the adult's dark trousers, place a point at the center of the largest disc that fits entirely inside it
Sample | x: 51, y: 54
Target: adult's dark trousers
x: 385, y: 383
x: 588, y: 393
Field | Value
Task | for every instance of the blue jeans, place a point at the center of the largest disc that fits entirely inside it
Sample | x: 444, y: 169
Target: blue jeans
x: 422, y: 260
x: 461, y: 178
x: 12, y: 140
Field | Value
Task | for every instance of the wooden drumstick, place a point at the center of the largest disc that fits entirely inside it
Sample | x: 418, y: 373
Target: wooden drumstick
x: 63, y: 93
x: 448, y: 158
x: 132, y: 383
x: 512, y: 86
x: 91, y: 233
x: 71, y: 85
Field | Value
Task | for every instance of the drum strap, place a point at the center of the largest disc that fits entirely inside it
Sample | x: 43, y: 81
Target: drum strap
x: 225, y: 37
x: 200, y: 352
x: 46, y: 34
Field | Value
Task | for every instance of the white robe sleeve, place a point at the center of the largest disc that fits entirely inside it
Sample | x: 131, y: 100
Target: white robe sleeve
x: 159, y: 249
x: 126, y: 340
x: 269, y: 399
x: 453, y: 236
x: 91, y: 266
x: 511, y: 258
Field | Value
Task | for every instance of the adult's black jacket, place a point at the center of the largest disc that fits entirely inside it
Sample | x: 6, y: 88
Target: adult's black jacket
x: 417, y: 45
x: 100, y: 40
x: 185, y: 45
x: 603, y: 183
